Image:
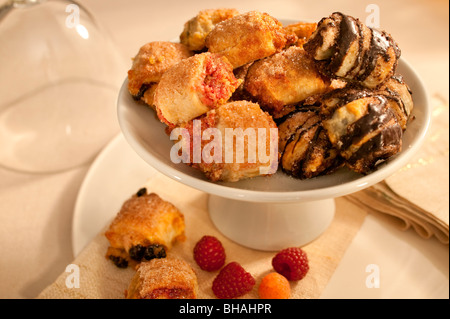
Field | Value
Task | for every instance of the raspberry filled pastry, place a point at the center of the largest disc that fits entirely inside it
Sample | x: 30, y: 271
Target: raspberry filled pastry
x: 168, y: 278
x: 346, y: 48
x: 242, y: 142
x: 149, y: 64
x: 146, y: 227
x: 193, y: 87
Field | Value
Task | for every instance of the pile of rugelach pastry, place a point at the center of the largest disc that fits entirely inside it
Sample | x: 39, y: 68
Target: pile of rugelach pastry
x: 330, y: 88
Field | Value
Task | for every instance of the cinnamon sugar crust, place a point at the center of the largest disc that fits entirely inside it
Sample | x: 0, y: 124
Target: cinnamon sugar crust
x: 167, y: 278
x: 230, y: 116
x: 193, y: 87
x: 284, y: 78
x: 247, y: 37
x: 302, y: 30
x: 196, y: 29
x: 144, y: 220
x: 152, y: 60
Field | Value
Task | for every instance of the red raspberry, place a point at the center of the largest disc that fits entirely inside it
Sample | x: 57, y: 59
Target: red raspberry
x: 292, y: 263
x: 209, y: 253
x: 232, y: 282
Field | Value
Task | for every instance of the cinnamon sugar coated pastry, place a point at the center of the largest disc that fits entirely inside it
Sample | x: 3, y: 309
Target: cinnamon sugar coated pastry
x: 248, y: 37
x: 240, y: 115
x: 303, y: 30
x: 284, y: 78
x: 149, y: 64
x: 168, y: 278
x: 146, y: 227
x: 196, y: 29
x: 193, y: 87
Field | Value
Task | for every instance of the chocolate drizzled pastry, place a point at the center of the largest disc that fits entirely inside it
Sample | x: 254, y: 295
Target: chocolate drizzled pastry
x: 362, y: 126
x: 304, y: 148
x: 346, y: 48
x: 399, y: 97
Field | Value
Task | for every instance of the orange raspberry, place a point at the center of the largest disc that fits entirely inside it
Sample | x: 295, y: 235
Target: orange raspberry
x: 274, y: 286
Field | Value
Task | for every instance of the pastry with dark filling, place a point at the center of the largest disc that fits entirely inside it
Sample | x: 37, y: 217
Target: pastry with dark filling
x: 196, y: 29
x: 149, y: 64
x: 145, y: 228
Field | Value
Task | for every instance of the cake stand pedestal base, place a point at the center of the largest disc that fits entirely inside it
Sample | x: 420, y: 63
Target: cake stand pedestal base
x: 271, y: 226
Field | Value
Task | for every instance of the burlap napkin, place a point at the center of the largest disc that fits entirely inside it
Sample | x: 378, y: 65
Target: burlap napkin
x: 99, y: 278
x: 417, y: 196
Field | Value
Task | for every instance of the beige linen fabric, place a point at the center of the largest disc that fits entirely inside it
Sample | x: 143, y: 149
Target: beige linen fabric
x: 99, y: 278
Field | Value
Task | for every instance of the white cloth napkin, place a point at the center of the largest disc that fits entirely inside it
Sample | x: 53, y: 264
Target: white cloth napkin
x: 418, y: 194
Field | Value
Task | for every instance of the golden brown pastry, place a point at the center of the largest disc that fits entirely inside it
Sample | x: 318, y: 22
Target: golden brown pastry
x: 248, y: 37
x: 149, y: 64
x: 196, y: 29
x: 168, y: 278
x: 348, y: 49
x: 193, y: 87
x: 303, y: 30
x: 284, y: 78
x: 362, y: 126
x: 234, y: 157
x: 305, y: 150
x: 145, y: 227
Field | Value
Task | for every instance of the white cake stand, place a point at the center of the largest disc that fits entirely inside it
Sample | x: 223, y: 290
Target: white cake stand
x: 269, y: 213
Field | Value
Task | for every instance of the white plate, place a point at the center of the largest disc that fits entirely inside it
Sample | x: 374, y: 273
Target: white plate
x: 113, y: 176
x: 409, y: 266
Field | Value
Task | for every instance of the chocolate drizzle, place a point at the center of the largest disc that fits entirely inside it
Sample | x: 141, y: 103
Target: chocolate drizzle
x: 297, y: 109
x: 305, y: 151
x: 380, y: 147
x: 371, y: 137
x: 348, y: 34
x: 371, y: 60
x: 377, y: 116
